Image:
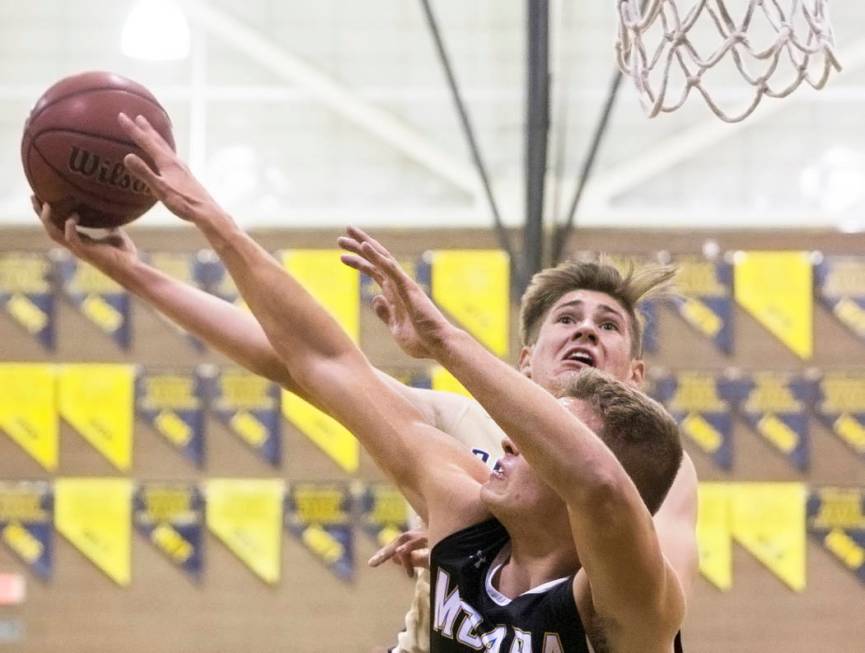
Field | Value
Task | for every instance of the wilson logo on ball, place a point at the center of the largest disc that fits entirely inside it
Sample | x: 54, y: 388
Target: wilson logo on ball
x: 92, y: 166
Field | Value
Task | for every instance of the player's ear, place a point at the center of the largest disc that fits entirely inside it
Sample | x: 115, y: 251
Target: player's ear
x: 525, y: 361
x: 637, y: 372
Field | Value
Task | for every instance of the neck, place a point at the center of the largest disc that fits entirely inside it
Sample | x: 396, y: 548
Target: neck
x: 536, y: 556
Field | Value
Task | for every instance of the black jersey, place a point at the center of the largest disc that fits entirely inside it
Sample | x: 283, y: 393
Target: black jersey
x: 469, y: 614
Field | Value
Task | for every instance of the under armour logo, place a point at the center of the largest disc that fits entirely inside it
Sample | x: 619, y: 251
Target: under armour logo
x: 477, y: 559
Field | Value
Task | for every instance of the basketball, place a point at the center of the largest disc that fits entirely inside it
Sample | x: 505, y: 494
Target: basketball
x: 73, y: 148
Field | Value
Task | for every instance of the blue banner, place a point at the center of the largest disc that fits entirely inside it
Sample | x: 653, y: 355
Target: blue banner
x: 840, y: 405
x: 382, y: 510
x: 172, y: 404
x: 249, y: 406
x: 27, y: 296
x: 775, y: 405
x: 836, y: 519
x: 171, y: 517
x: 320, y: 515
x: 699, y: 401
x: 27, y: 523
x: 102, y: 301
x: 705, y: 299
x: 419, y: 271
x: 181, y: 266
x: 211, y: 276
x: 839, y: 282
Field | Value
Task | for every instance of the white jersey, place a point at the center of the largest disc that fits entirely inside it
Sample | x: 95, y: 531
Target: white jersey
x: 477, y: 431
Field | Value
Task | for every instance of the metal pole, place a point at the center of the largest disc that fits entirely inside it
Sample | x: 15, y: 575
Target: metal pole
x: 468, y: 132
x: 537, y: 130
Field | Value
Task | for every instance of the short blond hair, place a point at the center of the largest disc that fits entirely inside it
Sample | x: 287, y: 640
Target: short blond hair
x: 638, y: 430
x: 636, y: 284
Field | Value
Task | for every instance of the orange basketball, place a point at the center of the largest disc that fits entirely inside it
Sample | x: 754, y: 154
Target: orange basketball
x: 73, y: 148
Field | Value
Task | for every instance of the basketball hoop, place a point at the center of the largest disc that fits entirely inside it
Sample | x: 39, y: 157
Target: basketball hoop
x: 775, y: 45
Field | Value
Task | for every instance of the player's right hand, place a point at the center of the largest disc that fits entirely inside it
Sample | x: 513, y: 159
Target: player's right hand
x: 108, y: 254
x: 388, y: 306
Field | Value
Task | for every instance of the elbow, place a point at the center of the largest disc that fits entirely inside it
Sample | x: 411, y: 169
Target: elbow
x: 603, y: 490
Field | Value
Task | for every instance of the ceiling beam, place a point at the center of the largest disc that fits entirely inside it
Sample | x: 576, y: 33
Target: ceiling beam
x: 335, y: 95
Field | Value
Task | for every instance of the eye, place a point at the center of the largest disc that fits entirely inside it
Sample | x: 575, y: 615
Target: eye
x: 564, y: 318
x: 609, y: 326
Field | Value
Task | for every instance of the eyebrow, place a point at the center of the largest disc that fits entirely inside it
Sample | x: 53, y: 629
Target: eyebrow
x: 603, y: 307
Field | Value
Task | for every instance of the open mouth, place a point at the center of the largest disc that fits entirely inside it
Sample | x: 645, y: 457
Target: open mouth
x: 581, y: 356
x: 498, y: 472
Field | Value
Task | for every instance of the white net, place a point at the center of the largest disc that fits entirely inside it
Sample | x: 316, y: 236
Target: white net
x: 773, y: 45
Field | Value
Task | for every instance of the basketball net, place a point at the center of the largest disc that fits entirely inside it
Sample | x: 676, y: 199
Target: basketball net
x: 774, y: 44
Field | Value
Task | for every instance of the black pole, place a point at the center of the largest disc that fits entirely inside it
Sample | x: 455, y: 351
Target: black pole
x: 537, y: 130
x: 468, y: 132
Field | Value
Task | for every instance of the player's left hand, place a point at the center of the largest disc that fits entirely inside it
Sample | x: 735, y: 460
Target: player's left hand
x: 169, y: 178
x: 402, y: 294
x: 409, y: 549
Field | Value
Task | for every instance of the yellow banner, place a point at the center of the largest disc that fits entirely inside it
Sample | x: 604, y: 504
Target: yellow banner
x: 330, y: 436
x: 769, y: 521
x: 99, y: 401
x: 444, y: 381
x: 474, y: 287
x: 337, y: 288
x: 334, y: 285
x: 714, y: 536
x: 28, y: 409
x: 776, y: 288
x: 246, y: 514
x: 95, y: 514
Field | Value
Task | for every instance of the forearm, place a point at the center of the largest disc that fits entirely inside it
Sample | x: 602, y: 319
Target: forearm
x: 299, y: 329
x: 225, y: 327
x: 562, y: 449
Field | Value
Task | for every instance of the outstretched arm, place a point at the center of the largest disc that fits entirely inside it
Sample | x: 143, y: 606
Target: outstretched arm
x: 631, y: 583
x: 222, y: 325
x: 433, y: 472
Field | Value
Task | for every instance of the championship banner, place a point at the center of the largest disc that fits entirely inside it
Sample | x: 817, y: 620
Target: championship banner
x: 100, y: 299
x: 648, y: 308
x: 172, y: 404
x: 95, y: 515
x: 776, y: 288
x: 27, y: 296
x: 769, y: 521
x: 836, y: 519
x: 28, y: 409
x: 369, y: 288
x: 714, y: 534
x: 384, y: 513
x: 246, y: 514
x: 840, y: 287
x: 840, y: 406
x: 337, y: 289
x: 248, y: 405
x: 775, y: 405
x: 211, y: 276
x: 319, y: 515
x: 171, y: 517
x: 705, y: 299
x: 181, y: 266
x: 27, y: 523
x: 98, y: 400
x: 699, y: 402
x: 473, y: 287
